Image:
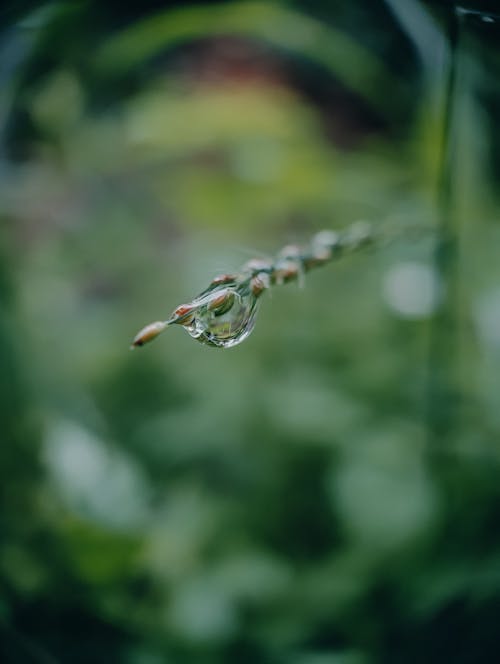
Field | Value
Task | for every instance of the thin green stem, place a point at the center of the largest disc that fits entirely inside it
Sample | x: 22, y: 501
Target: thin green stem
x: 442, y: 389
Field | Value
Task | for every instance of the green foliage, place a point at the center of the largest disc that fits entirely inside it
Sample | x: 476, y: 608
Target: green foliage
x: 285, y: 500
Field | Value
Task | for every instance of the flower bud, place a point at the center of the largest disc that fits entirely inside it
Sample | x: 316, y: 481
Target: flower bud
x: 290, y: 251
x: 148, y: 333
x: 286, y: 270
x: 221, y: 279
x: 259, y: 283
x: 358, y: 235
x: 319, y: 256
x: 255, y: 265
x: 326, y: 240
x: 183, y: 315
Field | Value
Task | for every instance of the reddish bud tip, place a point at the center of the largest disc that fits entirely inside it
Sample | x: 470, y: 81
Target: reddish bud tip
x: 223, y: 279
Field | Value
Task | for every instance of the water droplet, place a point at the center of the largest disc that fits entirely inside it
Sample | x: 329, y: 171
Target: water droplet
x: 223, y: 317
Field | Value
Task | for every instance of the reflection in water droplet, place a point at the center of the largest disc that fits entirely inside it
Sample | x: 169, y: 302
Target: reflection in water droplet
x: 223, y: 317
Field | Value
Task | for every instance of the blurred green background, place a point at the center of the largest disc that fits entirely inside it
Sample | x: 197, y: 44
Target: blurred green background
x: 328, y: 492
